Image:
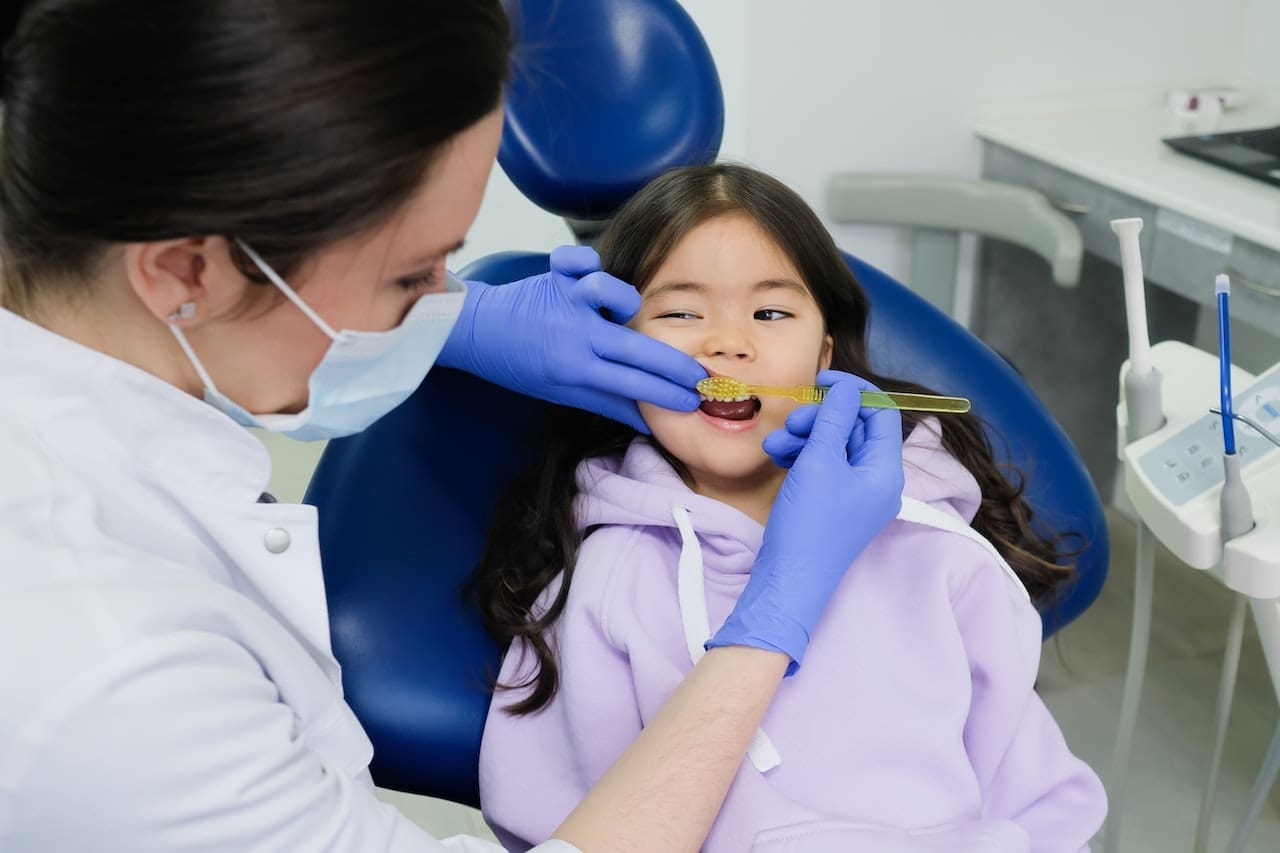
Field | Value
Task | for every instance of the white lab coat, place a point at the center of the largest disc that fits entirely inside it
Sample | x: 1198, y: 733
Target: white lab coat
x: 166, y: 679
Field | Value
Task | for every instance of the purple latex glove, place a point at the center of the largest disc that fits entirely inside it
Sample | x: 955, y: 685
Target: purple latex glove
x: 844, y: 486
x: 560, y: 336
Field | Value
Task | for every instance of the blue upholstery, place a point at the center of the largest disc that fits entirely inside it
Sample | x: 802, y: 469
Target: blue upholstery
x: 604, y: 95
x: 404, y: 507
x: 911, y: 339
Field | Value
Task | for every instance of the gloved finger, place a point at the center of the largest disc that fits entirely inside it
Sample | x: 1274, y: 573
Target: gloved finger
x: 828, y: 378
x: 637, y: 350
x: 800, y: 421
x: 603, y: 292
x: 610, y: 406
x: 783, y: 447
x: 859, y: 434
x: 882, y: 437
x: 838, y: 413
x: 574, y: 261
x: 629, y: 383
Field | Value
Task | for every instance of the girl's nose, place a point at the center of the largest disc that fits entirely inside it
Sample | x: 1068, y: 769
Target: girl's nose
x: 728, y: 342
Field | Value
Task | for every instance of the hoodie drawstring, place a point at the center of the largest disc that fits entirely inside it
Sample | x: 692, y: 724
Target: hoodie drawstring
x: 697, y: 624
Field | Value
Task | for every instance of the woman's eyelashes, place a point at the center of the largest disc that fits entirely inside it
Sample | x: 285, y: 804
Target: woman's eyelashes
x: 422, y: 282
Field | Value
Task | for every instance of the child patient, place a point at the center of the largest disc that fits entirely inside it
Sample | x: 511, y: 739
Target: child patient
x: 912, y: 724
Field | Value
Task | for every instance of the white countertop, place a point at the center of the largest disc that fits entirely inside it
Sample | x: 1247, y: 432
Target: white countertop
x: 1114, y: 139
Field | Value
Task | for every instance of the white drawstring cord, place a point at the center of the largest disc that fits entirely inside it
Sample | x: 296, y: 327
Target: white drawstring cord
x: 697, y: 625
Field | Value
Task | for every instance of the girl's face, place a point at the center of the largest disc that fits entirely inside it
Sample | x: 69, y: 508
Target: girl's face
x: 728, y: 296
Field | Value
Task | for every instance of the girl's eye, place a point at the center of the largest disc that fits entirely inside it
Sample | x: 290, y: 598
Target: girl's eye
x: 678, y: 315
x: 772, y: 314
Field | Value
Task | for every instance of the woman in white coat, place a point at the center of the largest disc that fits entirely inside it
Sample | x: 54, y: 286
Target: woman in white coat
x: 216, y: 213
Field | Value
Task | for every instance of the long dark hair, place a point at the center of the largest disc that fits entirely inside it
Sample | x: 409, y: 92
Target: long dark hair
x: 535, y: 536
x: 288, y: 125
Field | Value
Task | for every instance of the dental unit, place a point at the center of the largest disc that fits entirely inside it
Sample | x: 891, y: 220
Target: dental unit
x: 1214, y: 513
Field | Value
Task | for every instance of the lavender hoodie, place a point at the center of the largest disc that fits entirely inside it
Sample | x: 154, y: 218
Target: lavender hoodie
x: 912, y: 725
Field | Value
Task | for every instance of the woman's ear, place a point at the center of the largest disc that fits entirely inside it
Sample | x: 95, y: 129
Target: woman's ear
x: 189, y: 279
x: 828, y: 346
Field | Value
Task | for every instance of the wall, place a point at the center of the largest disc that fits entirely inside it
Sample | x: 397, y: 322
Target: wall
x: 818, y: 86
x: 1259, y: 58
x: 864, y: 85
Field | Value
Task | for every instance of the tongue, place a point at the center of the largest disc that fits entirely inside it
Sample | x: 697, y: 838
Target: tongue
x: 740, y: 410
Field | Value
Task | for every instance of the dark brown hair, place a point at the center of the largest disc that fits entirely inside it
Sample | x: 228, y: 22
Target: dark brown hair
x: 535, y: 536
x: 289, y: 125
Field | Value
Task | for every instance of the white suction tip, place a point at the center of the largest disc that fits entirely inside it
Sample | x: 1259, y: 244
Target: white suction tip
x: 1123, y: 226
x: 1221, y: 283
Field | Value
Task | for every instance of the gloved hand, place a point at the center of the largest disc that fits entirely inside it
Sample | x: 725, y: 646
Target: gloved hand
x: 844, y: 486
x: 545, y: 337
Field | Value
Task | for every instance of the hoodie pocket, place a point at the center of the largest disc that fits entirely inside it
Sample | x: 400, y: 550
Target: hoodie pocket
x: 838, y: 836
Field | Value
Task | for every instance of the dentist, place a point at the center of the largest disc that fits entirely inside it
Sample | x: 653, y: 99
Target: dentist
x: 217, y: 213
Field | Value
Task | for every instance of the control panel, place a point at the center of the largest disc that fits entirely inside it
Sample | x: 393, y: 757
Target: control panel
x: 1174, y: 476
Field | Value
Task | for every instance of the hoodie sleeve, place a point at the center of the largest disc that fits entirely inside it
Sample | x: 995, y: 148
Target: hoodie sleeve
x: 1026, y: 771
x: 536, y: 768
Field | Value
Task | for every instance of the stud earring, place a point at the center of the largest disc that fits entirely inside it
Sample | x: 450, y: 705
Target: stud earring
x: 185, y: 311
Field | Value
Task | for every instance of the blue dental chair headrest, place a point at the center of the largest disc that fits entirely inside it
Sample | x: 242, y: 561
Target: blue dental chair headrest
x: 404, y: 507
x: 603, y: 97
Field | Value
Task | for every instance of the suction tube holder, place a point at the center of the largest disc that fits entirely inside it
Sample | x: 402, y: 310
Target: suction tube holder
x: 1144, y: 410
x: 1142, y: 382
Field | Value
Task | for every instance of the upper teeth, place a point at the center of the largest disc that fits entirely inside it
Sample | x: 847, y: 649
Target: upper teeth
x: 718, y: 399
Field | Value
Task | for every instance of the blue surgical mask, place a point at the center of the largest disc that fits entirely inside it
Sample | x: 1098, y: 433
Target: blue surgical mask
x: 362, y: 376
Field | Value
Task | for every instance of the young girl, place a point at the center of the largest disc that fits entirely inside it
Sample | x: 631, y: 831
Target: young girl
x: 913, y: 724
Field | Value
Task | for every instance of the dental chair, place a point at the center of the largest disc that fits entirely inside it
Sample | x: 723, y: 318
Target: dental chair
x: 404, y: 507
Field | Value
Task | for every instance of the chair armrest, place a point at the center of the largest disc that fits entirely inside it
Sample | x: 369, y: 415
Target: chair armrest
x: 1006, y: 212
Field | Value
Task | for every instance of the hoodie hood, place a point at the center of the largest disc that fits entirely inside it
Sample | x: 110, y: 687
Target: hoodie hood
x: 640, y: 488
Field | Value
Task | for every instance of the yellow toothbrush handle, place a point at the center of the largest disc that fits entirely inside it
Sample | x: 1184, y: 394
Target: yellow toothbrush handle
x: 870, y: 399
x: 914, y: 402
x: 799, y: 393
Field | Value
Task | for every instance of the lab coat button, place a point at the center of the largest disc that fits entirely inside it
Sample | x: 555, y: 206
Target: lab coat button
x: 277, y: 540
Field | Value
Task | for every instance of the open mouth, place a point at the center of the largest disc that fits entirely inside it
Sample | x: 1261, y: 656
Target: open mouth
x: 738, y: 409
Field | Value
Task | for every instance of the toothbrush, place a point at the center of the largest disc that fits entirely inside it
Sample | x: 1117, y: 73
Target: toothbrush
x: 724, y: 388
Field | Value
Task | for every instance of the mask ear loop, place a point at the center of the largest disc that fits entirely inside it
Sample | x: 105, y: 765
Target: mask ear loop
x: 286, y: 289
x: 191, y: 354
